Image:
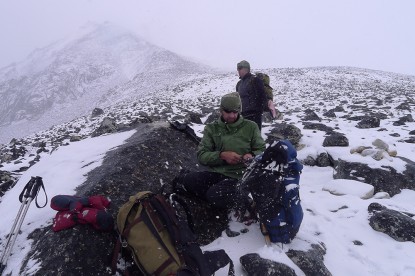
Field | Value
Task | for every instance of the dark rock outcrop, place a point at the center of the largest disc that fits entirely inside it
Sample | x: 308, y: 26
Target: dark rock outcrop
x: 284, y: 131
x: 330, y: 113
x: 405, y: 119
x: 108, y: 125
x: 310, y: 115
x: 336, y: 140
x: 310, y: 262
x: 386, y: 179
x: 397, y: 225
x: 7, y: 181
x: 318, y: 126
x: 96, y: 112
x: 369, y: 122
x: 324, y: 160
x: 153, y: 156
x: 256, y: 266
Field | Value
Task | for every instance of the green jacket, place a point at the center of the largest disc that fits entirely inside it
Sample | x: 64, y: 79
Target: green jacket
x: 242, y: 137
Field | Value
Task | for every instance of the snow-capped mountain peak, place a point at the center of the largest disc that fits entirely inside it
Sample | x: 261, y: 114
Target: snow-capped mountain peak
x: 68, y: 78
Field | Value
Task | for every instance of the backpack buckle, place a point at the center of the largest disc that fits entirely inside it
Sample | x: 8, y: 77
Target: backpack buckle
x: 124, y: 243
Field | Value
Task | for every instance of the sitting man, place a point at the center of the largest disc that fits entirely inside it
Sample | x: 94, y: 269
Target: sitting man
x: 226, y: 146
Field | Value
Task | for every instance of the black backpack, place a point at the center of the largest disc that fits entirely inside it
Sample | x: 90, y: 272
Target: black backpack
x: 160, y: 241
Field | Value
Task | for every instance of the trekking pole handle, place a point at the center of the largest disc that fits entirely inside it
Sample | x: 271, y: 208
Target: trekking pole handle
x: 36, y: 187
x: 27, y: 189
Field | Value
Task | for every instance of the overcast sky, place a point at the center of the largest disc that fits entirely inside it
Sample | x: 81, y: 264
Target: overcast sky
x: 375, y: 34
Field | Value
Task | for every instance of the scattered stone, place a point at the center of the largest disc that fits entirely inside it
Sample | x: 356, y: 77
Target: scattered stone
x: 7, y: 181
x: 309, y: 161
x: 403, y: 120
x: 368, y: 122
x: 339, y: 108
x: 231, y: 233
x: 318, y: 126
x: 359, y: 149
x: 393, y: 152
x: 336, y: 140
x: 310, y: 115
x: 382, y: 195
x: 108, y: 125
x: 404, y: 106
x: 75, y: 138
x: 97, y: 112
x: 330, y: 113
x: 410, y: 140
x: 324, y: 160
x: 378, y: 143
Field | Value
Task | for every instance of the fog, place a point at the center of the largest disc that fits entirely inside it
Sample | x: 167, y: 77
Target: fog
x: 374, y: 34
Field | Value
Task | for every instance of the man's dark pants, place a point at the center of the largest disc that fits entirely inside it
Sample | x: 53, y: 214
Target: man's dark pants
x: 217, y: 189
x: 257, y: 118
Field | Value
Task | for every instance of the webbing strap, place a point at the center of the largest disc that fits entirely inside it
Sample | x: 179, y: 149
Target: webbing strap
x: 115, y: 253
x: 127, y: 230
x: 153, y: 215
x: 147, y: 221
x: 163, y: 266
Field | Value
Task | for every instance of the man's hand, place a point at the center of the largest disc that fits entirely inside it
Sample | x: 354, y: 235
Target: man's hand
x: 271, y: 107
x: 247, y: 157
x: 231, y: 157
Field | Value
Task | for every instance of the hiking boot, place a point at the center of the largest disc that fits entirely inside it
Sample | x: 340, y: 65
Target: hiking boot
x: 248, y: 215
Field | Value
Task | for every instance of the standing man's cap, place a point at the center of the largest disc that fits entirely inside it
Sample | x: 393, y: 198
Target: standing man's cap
x: 243, y: 64
x: 231, y: 102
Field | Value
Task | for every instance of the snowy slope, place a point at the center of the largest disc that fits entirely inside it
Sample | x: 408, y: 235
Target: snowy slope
x: 353, y: 247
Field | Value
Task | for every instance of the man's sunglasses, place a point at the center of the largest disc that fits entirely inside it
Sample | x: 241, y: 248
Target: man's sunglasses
x: 230, y: 111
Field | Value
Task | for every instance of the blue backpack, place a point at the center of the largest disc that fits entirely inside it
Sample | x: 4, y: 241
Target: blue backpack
x: 273, y: 181
x: 286, y: 224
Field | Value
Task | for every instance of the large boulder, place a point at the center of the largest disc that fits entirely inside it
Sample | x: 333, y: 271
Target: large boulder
x: 108, y: 125
x: 318, y: 126
x: 336, y: 140
x: 282, y: 131
x: 369, y: 122
x: 311, y: 262
x: 386, y: 179
x: 397, y: 225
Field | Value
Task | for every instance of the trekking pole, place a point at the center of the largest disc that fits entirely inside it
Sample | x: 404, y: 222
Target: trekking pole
x: 266, y: 235
x: 29, y: 192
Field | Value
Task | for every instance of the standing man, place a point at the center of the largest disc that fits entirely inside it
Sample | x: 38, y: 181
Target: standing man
x: 225, y: 147
x: 252, y: 93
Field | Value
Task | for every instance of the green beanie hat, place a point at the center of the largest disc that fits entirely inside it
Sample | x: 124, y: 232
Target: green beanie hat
x: 231, y: 102
x: 243, y: 64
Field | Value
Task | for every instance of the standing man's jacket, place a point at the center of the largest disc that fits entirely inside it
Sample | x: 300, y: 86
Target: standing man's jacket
x: 242, y: 137
x: 252, y: 93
